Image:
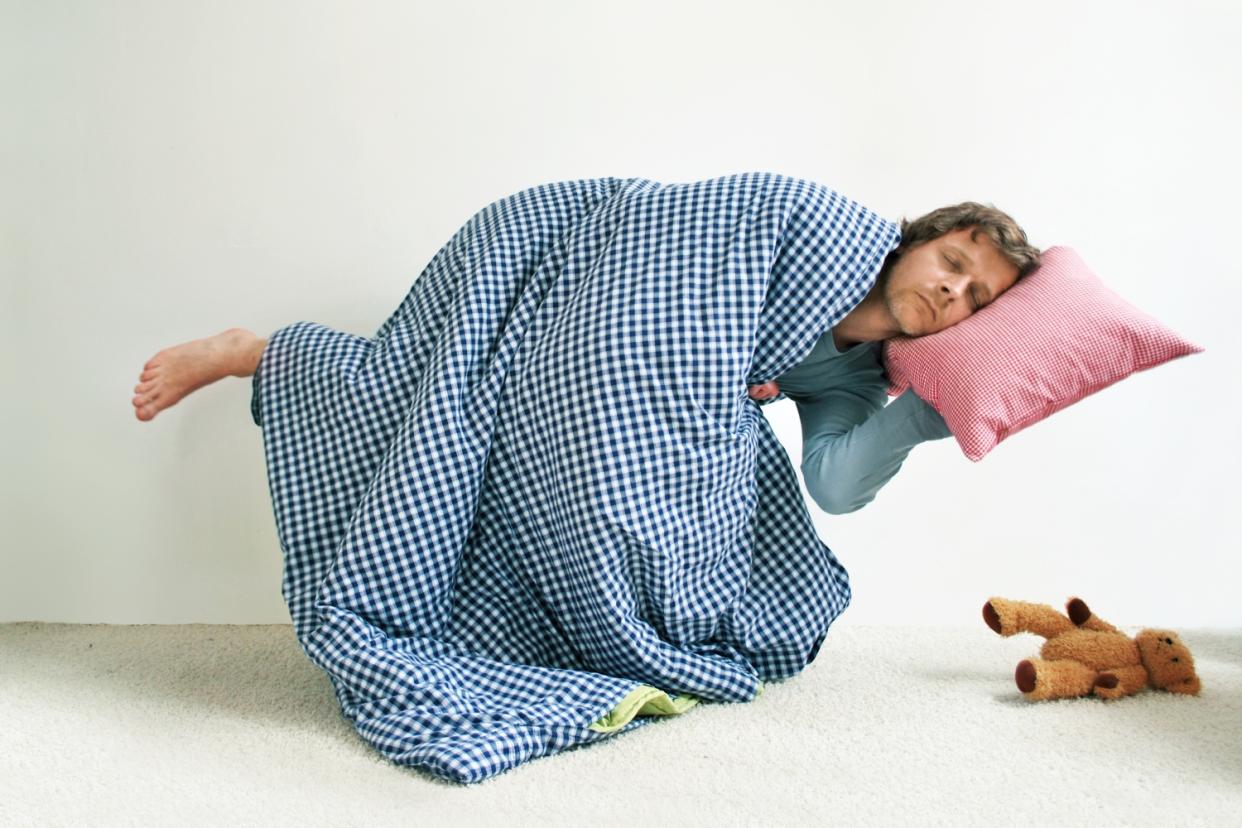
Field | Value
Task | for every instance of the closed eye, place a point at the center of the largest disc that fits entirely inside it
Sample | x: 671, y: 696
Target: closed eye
x: 974, y: 297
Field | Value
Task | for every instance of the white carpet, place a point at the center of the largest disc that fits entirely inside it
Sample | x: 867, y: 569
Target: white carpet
x: 232, y: 725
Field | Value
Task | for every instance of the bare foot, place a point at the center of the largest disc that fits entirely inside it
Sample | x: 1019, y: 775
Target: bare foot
x: 175, y: 372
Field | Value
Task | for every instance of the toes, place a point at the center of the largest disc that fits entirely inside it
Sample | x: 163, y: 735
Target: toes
x: 146, y: 401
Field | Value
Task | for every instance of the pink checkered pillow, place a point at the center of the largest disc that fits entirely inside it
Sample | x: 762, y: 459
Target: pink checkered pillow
x: 1055, y: 337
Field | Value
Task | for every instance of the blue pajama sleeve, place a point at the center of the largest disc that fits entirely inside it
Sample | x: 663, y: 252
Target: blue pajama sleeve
x: 852, y: 443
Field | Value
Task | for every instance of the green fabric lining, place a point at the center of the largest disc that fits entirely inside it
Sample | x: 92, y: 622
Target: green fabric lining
x: 645, y: 700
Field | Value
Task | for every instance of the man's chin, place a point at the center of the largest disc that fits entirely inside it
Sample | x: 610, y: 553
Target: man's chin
x: 920, y: 326
x: 915, y: 329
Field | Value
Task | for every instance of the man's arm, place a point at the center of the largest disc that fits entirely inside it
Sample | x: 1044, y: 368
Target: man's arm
x: 852, y: 443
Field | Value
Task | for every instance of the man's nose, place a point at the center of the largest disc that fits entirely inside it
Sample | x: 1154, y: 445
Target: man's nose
x: 955, y: 285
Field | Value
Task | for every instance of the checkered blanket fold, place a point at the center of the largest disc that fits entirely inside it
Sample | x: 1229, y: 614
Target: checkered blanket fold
x: 537, y: 508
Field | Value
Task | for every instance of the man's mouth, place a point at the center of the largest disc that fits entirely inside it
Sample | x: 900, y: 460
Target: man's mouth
x: 929, y: 305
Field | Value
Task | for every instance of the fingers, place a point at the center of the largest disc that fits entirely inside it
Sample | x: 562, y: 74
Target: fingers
x: 763, y: 391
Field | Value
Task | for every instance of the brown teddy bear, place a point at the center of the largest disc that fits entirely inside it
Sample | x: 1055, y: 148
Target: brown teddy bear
x: 1085, y: 654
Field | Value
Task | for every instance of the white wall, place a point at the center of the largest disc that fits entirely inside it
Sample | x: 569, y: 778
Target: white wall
x: 171, y: 169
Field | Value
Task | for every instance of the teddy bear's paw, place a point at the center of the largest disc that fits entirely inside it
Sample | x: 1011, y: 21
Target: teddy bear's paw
x: 992, y: 618
x: 1078, y: 611
x: 1024, y: 676
x: 1107, y: 686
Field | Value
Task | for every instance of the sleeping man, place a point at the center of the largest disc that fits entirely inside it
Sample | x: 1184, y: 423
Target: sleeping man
x: 950, y: 263
x: 533, y: 491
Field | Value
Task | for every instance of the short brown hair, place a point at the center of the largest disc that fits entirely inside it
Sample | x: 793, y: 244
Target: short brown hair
x: 1005, y: 234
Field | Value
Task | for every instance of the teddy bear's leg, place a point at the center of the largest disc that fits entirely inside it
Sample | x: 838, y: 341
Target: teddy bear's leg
x: 1125, y: 681
x: 1012, y: 617
x: 1039, y: 679
x: 1082, y: 615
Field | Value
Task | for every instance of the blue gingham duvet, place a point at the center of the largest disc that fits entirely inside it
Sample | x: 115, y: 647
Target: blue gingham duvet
x: 538, y: 508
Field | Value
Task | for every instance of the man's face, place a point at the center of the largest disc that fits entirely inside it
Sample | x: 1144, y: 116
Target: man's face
x: 954, y: 274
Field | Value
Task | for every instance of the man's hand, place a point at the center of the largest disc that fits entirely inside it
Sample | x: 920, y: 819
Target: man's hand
x: 766, y: 391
